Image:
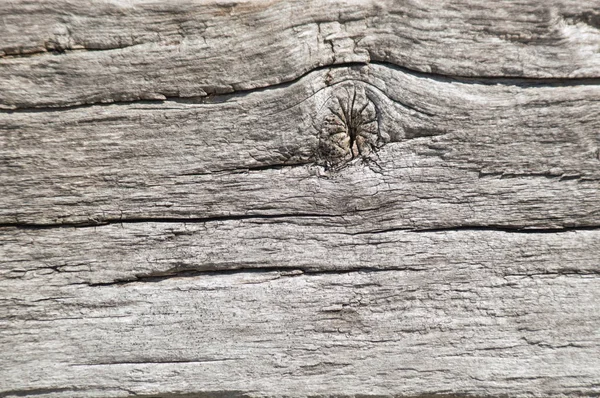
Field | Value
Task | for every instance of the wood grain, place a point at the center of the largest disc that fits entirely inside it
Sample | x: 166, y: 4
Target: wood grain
x: 299, y: 198
x: 61, y: 53
x: 151, y: 251
x: 456, y: 154
x: 463, y: 329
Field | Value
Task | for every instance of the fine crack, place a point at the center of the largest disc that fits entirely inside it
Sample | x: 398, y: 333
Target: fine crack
x: 490, y: 228
x: 155, y: 362
x: 510, y: 229
x: 252, y: 168
x: 55, y: 47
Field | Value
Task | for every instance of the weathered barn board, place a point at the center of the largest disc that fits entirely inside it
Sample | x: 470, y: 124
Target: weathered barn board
x: 126, y: 50
x: 299, y: 198
x: 463, y: 328
x: 146, y: 251
x: 453, y: 153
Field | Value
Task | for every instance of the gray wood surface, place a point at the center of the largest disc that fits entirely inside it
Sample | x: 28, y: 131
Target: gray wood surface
x: 126, y: 50
x: 299, y: 198
x: 452, y: 153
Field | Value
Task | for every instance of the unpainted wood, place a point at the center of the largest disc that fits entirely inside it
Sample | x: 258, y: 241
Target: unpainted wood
x: 63, y: 52
x: 149, y: 251
x: 299, y: 198
x: 453, y: 154
x: 464, y: 329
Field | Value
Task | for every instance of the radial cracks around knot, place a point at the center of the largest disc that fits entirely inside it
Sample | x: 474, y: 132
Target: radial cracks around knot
x: 348, y: 126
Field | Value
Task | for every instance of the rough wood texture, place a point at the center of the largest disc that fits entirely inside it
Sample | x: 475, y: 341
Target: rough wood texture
x: 118, y: 50
x: 299, y: 198
x: 453, y: 154
x: 461, y: 329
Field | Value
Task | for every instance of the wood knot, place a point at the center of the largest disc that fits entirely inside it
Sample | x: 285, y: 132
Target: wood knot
x: 349, y: 126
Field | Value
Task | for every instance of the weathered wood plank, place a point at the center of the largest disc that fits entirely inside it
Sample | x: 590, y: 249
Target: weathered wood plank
x: 463, y: 329
x: 299, y: 198
x: 450, y: 153
x: 147, y: 250
x: 122, y: 51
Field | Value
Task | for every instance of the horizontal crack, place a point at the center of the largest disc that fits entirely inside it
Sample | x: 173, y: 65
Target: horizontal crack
x: 494, y: 80
x: 204, y: 220
x: 201, y: 220
x: 154, y: 362
x: 258, y: 167
x: 282, y: 271
x: 38, y: 391
x: 489, y: 228
x: 211, y: 97
x: 553, y: 273
x: 57, y: 50
x: 510, y: 229
x: 219, y: 97
x: 300, y: 271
